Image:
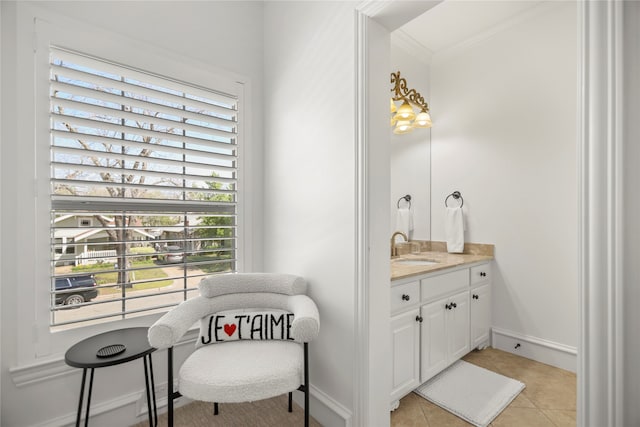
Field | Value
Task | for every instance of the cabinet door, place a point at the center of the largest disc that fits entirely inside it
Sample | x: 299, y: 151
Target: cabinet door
x: 405, y: 342
x: 480, y: 315
x: 480, y: 274
x: 434, y: 339
x: 458, y: 326
x: 405, y: 295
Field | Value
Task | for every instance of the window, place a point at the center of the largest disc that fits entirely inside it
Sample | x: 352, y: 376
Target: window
x: 143, y: 189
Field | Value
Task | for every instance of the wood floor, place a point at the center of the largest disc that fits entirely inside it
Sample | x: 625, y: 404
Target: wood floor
x: 548, y: 400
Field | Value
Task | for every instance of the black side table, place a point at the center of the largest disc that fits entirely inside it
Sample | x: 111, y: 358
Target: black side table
x: 109, y: 349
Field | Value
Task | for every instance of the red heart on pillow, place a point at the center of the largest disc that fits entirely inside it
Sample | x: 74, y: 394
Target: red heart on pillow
x: 229, y: 329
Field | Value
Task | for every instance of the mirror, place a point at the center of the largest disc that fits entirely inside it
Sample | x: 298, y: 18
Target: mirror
x: 411, y: 152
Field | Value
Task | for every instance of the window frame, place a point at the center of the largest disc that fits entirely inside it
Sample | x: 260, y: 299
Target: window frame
x: 35, y: 340
x: 189, y: 157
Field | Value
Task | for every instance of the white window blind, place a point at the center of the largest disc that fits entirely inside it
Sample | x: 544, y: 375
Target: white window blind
x: 143, y: 189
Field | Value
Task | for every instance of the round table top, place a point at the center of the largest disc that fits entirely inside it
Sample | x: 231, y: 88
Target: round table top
x: 84, y: 353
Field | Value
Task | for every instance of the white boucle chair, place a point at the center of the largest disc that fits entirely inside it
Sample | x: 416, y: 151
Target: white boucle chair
x: 253, y: 342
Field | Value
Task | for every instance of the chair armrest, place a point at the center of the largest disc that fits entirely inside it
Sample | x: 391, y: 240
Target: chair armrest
x: 306, y: 320
x: 167, y: 330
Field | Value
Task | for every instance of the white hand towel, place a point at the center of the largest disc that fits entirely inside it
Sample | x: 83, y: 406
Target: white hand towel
x: 404, y: 221
x: 454, y: 230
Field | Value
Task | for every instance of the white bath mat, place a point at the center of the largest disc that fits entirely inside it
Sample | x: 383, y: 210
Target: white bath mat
x: 474, y: 394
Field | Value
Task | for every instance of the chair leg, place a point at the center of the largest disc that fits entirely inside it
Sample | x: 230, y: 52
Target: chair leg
x: 170, y: 386
x: 215, y: 408
x: 306, y: 385
x: 290, y: 401
x: 153, y: 391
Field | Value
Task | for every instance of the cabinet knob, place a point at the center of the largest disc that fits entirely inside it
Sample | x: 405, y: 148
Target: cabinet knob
x: 454, y: 305
x: 447, y: 306
x: 474, y: 296
x: 405, y: 297
x: 419, y: 319
x: 483, y: 274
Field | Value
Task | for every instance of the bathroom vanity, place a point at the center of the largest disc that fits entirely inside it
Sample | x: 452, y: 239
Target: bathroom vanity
x: 440, y: 310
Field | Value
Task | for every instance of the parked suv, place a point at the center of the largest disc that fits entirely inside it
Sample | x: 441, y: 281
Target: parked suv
x: 75, y: 289
x: 172, y: 254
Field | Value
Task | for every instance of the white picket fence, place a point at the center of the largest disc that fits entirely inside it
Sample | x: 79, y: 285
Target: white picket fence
x: 96, y: 257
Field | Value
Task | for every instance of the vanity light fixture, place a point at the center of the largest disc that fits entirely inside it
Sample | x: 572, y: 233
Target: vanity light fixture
x: 403, y: 118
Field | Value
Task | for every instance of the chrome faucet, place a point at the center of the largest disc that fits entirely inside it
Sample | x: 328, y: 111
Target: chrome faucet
x: 394, y: 250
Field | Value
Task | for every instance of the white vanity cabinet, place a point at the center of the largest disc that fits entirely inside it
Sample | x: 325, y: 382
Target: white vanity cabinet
x: 436, y: 319
x: 445, y: 327
x: 480, y: 306
x: 405, y: 295
x: 405, y: 351
x: 405, y: 338
x: 444, y: 333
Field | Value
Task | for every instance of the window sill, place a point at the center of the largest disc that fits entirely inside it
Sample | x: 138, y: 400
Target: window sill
x: 47, y: 370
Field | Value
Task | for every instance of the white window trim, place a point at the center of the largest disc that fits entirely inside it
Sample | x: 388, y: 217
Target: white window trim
x: 35, y: 343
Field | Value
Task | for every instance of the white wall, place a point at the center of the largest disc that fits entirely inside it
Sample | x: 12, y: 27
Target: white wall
x: 504, y: 111
x: 309, y: 215
x: 631, y: 204
x: 196, y: 35
x: 411, y: 153
x: 1, y: 126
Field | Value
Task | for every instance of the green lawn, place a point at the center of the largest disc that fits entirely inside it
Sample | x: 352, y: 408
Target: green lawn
x: 211, y: 268
x: 112, y: 277
x: 137, y: 286
x: 150, y: 274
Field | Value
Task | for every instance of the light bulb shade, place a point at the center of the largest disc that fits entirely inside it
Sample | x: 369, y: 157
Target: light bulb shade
x: 405, y: 112
x: 393, y: 106
x: 423, y: 120
x: 402, y: 126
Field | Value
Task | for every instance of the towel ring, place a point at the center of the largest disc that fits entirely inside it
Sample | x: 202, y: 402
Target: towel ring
x: 456, y: 195
x: 407, y: 198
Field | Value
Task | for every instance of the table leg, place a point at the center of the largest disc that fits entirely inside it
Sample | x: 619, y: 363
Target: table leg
x: 86, y: 420
x: 153, y: 392
x: 84, y: 377
x: 150, y: 383
x: 170, y: 386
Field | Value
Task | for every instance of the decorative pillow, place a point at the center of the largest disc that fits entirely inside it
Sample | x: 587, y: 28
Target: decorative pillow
x: 245, y: 325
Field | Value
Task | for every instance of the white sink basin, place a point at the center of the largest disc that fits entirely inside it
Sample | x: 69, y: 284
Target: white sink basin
x: 415, y: 262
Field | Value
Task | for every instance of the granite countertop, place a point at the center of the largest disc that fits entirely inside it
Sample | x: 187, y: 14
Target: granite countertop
x: 444, y: 260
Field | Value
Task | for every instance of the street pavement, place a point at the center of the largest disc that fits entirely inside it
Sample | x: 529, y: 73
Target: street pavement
x: 153, y: 297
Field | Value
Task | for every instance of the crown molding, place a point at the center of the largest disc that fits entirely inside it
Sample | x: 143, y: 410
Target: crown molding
x: 392, y: 14
x: 371, y: 8
x: 446, y: 54
x: 404, y: 41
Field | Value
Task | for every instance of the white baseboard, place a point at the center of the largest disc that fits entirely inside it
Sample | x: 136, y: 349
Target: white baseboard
x: 120, y: 408
x: 324, y: 409
x: 538, y: 349
x: 96, y: 410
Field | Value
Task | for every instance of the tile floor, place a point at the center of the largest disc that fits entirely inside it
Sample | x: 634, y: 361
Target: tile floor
x: 548, y: 400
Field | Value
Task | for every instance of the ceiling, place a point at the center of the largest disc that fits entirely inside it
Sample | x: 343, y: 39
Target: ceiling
x: 454, y: 21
